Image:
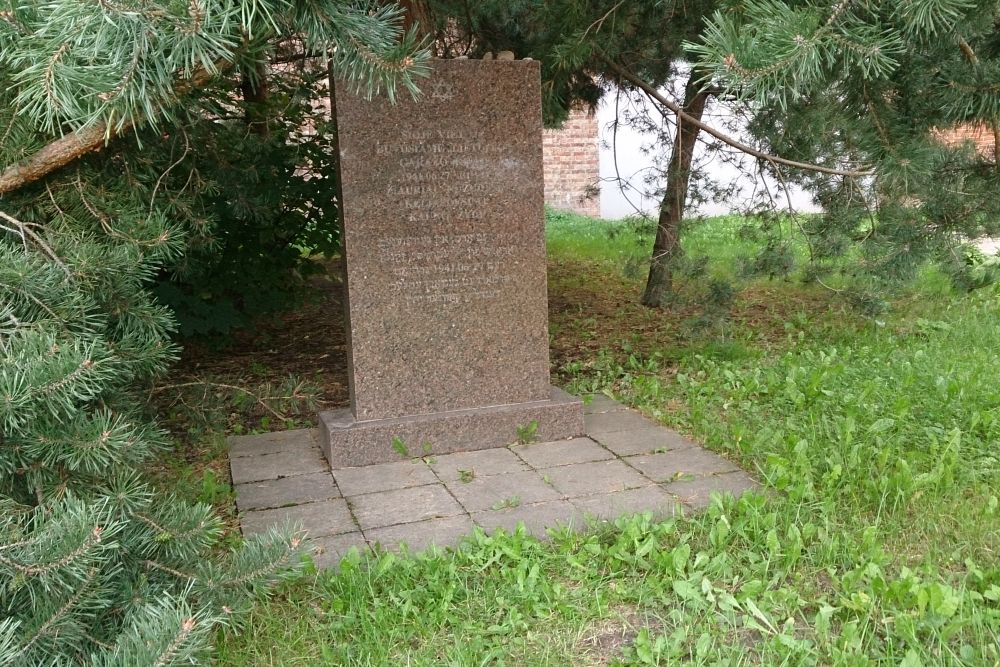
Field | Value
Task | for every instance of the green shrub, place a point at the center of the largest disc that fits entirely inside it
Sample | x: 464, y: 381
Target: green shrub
x: 264, y: 204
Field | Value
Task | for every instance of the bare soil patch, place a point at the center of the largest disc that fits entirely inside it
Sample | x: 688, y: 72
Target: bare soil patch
x: 308, y: 342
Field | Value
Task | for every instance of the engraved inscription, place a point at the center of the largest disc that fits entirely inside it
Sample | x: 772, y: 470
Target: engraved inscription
x: 443, y: 173
x: 443, y: 177
x: 444, y: 255
x: 456, y: 268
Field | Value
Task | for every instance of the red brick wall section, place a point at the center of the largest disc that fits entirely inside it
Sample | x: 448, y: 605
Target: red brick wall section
x: 572, y: 164
x: 980, y: 135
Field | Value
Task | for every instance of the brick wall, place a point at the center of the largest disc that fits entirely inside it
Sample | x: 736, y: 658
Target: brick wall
x: 980, y: 135
x: 572, y: 164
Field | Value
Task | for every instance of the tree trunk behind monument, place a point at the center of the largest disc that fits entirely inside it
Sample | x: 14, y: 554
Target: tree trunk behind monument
x: 253, y: 86
x: 417, y: 13
x: 659, y: 284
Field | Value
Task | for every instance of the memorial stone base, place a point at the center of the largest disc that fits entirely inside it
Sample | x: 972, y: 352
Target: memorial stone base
x: 347, y: 442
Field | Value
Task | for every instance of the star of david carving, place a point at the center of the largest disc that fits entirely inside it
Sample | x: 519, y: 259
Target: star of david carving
x: 442, y: 91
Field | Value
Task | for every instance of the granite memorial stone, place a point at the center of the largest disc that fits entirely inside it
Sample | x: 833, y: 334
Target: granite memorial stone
x: 445, y: 271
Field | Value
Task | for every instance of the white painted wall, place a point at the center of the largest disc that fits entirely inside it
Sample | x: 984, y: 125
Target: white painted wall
x: 637, y: 153
x: 989, y: 246
x: 633, y: 155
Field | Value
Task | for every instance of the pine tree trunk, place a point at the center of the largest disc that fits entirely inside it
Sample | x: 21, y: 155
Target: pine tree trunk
x: 996, y: 145
x: 417, y: 13
x: 659, y: 284
x: 254, y: 89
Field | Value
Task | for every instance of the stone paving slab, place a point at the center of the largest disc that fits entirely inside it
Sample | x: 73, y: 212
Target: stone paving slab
x: 622, y: 420
x: 537, y: 518
x: 329, y: 517
x: 680, y: 464
x: 328, y: 551
x: 481, y: 463
x: 596, y: 478
x: 697, y: 493
x: 627, y: 464
x: 596, y: 403
x: 272, y: 443
x: 442, y: 532
x: 565, y: 452
x: 610, y: 506
x: 383, y: 477
x: 643, y: 441
x: 483, y: 493
x: 270, y: 493
x: 273, y: 466
x: 388, y: 508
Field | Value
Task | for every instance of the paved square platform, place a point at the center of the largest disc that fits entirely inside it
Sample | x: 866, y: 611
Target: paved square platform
x: 626, y: 464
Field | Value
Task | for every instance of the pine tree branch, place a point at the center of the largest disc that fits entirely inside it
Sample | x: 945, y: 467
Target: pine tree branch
x: 183, y: 576
x: 61, y: 613
x: 599, y: 23
x: 296, y: 57
x: 171, y: 651
x: 36, y: 570
x: 973, y: 59
x: 837, y: 12
x: 24, y: 231
x: 282, y: 559
x: 34, y: 299
x: 85, y: 366
x: 70, y: 147
x: 159, y: 181
x: 57, y: 154
x: 166, y: 532
x: 996, y: 145
x: 749, y: 150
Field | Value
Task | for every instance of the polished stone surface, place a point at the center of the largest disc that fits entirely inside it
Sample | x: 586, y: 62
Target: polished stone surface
x: 438, y: 500
x: 445, y: 267
x: 347, y: 442
x: 443, y: 231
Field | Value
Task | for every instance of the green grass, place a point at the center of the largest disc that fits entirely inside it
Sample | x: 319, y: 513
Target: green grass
x: 617, y: 242
x: 875, y: 543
